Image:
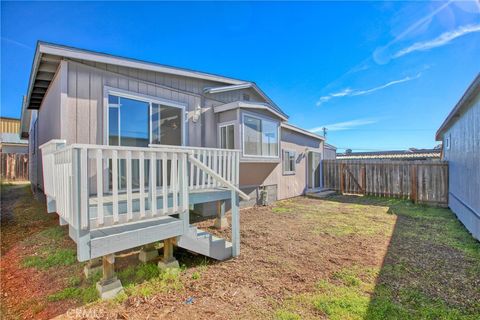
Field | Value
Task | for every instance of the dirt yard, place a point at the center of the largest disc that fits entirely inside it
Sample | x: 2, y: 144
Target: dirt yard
x: 341, y: 258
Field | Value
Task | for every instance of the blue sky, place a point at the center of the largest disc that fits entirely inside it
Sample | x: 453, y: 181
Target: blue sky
x: 378, y: 75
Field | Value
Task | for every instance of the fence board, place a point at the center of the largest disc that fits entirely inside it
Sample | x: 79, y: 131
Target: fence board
x: 14, y: 167
x: 420, y: 181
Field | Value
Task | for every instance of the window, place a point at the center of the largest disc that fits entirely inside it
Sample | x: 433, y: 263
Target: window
x: 166, y: 125
x: 138, y: 122
x: 227, y: 140
x: 447, y: 142
x: 289, y: 161
x: 260, y: 137
x: 128, y: 122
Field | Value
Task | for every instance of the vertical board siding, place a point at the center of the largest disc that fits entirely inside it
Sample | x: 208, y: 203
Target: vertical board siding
x: 84, y: 114
x: 463, y: 157
x: 424, y: 181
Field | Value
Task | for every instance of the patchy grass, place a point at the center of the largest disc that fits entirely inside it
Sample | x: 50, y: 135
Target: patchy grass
x: 155, y: 282
x: 49, y: 258
x: 430, y: 271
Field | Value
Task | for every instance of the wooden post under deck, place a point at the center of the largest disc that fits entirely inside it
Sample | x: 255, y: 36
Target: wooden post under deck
x: 168, y: 260
x: 221, y: 220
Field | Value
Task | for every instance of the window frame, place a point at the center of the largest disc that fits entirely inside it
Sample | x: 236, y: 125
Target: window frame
x: 289, y: 172
x: 261, y: 118
x: 223, y: 125
x: 139, y: 97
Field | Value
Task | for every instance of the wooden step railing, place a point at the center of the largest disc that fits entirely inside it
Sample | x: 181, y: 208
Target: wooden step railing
x: 223, y: 162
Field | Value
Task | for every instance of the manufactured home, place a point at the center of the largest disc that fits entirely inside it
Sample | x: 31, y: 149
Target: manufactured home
x: 123, y: 150
x: 460, y: 134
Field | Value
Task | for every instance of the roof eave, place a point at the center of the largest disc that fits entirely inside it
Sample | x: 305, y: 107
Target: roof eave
x: 472, y: 90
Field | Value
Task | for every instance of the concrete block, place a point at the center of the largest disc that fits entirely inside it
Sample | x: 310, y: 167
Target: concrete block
x: 108, y: 289
x: 148, y: 253
x: 168, y: 264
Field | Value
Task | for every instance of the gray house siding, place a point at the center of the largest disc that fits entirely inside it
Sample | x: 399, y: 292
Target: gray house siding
x: 85, y: 99
x: 49, y: 126
x: 463, y: 156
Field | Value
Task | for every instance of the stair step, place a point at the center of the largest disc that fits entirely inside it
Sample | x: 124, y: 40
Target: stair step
x: 205, y: 243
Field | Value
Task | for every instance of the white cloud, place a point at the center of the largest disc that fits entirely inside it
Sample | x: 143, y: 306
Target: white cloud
x: 441, y: 40
x: 346, y: 125
x: 354, y: 92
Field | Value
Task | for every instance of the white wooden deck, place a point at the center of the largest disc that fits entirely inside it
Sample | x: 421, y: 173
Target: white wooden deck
x: 93, y: 190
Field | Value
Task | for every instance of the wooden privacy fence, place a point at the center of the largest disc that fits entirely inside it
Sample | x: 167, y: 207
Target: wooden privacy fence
x: 420, y: 181
x: 14, y: 166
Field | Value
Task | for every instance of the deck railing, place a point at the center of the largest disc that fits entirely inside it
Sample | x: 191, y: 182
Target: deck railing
x: 224, y: 162
x: 109, y: 185
x: 96, y: 186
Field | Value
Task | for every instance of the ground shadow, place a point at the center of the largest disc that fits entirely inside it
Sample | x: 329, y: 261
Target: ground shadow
x: 431, y: 269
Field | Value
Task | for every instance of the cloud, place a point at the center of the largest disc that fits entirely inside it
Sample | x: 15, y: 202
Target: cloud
x: 441, y: 40
x: 354, y: 92
x: 20, y: 44
x: 346, y: 125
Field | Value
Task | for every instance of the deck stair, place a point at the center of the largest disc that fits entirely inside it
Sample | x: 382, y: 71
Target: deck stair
x: 205, y: 243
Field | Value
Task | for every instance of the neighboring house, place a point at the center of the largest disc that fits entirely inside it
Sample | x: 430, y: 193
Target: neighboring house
x: 411, y: 154
x: 330, y: 152
x: 10, y: 141
x: 124, y: 148
x: 460, y: 134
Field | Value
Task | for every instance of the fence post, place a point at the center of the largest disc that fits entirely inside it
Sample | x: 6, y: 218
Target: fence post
x: 364, y: 179
x: 413, y: 183
x: 342, y: 178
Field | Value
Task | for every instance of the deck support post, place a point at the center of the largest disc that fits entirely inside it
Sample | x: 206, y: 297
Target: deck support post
x: 93, y: 266
x: 110, y: 285
x: 148, y: 253
x: 168, y: 260
x: 221, y: 221
x: 235, y: 225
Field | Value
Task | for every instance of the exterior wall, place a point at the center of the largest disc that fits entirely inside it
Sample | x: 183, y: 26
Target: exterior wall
x: 12, y: 148
x: 84, y: 110
x: 8, y: 125
x: 463, y: 157
x: 329, y: 154
x: 271, y: 174
x: 49, y: 124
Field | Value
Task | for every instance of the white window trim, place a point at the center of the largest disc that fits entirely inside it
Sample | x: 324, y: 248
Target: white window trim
x: 448, y: 142
x: 261, y: 118
x: 219, y: 130
x: 139, y: 97
x: 285, y: 172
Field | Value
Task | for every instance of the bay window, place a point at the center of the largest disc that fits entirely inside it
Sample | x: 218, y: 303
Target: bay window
x: 260, y: 137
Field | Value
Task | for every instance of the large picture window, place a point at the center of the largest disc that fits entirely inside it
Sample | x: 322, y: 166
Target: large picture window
x: 137, y: 123
x: 260, y: 137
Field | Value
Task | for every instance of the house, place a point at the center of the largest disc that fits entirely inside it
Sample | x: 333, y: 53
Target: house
x: 330, y: 152
x: 410, y: 154
x: 123, y: 149
x: 10, y: 141
x: 460, y: 136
